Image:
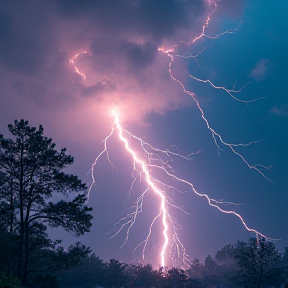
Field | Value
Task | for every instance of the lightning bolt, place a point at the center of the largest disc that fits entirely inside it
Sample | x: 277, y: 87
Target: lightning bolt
x: 72, y: 62
x: 157, y: 159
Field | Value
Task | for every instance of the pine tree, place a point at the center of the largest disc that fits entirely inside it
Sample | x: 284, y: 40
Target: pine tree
x: 31, y: 173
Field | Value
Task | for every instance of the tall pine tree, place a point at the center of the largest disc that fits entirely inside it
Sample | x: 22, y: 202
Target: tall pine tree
x: 31, y: 173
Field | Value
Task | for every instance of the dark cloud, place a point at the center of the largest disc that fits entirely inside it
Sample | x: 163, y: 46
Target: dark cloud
x: 165, y: 18
x: 16, y: 51
x: 7, y: 36
x: 141, y: 55
x: 155, y: 19
x: 25, y: 35
x: 98, y: 89
x: 122, y: 65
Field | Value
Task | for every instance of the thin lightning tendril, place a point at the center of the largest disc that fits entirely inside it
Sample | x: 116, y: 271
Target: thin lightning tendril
x: 216, y: 135
x: 72, y: 62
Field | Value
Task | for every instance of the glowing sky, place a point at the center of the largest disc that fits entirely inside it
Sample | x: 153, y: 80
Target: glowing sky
x: 124, y: 68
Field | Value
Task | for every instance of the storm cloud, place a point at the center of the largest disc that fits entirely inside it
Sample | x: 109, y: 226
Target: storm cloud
x: 122, y: 66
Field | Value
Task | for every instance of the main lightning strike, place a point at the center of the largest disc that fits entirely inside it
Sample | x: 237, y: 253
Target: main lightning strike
x: 142, y: 167
x: 158, y: 192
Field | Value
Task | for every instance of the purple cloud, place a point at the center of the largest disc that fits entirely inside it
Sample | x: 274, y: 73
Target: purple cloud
x: 280, y: 111
x: 259, y: 72
x: 123, y: 66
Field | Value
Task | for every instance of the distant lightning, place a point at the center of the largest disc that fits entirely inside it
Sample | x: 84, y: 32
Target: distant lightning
x: 155, y: 159
x: 72, y: 62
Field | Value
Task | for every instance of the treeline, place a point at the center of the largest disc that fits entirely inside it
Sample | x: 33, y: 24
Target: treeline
x: 255, y: 263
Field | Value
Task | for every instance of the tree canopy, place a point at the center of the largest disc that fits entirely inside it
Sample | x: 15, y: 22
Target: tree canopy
x: 259, y: 262
x: 31, y: 174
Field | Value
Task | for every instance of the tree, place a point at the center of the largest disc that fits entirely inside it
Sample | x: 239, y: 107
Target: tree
x: 8, y: 281
x: 225, y: 256
x: 30, y: 175
x: 259, y: 262
x: 115, y: 274
x: 285, y: 265
x: 8, y: 251
x: 210, y: 270
x: 196, y: 270
x: 89, y: 274
x: 142, y: 275
x: 176, y: 278
x: 227, y: 265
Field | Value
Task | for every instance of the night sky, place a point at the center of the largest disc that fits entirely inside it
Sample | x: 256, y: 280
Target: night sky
x: 124, y: 69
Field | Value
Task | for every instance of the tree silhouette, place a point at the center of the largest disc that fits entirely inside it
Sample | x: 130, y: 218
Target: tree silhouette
x: 176, y: 277
x: 196, y: 270
x: 259, y: 262
x: 89, y: 274
x: 115, y: 274
x: 142, y: 275
x: 30, y: 175
x: 226, y: 265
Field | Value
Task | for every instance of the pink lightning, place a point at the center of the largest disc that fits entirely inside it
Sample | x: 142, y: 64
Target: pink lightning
x: 157, y: 159
x: 72, y: 62
x: 163, y: 210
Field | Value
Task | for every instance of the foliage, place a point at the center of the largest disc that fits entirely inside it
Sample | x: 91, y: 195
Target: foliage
x: 196, y: 270
x: 176, y: 278
x: 142, y: 275
x: 226, y: 265
x: 259, y: 262
x: 226, y: 255
x: 44, y: 281
x: 115, y: 274
x: 30, y: 175
x: 89, y: 274
x: 8, y: 281
x: 285, y: 263
x: 8, y: 251
x: 94, y: 272
x: 220, y: 271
